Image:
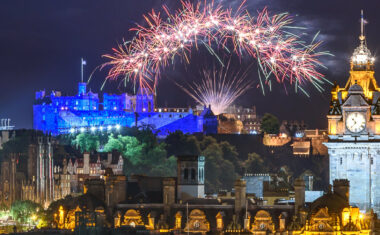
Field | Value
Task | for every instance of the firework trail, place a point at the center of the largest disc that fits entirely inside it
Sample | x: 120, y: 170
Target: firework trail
x: 280, y: 54
x: 219, y: 88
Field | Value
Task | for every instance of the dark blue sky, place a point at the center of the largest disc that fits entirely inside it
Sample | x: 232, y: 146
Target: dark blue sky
x: 42, y: 41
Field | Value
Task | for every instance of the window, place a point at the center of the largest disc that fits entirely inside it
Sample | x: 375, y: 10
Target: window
x: 219, y: 223
x: 193, y: 174
x: 197, y: 224
x: 186, y: 174
x: 178, y: 222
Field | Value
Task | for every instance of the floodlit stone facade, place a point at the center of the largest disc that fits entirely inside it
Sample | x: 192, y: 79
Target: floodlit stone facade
x: 354, y: 131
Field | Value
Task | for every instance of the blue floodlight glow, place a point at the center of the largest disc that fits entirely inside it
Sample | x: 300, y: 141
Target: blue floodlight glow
x: 57, y: 114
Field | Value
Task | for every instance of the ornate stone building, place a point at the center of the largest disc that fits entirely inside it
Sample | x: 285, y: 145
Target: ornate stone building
x: 8, y: 183
x: 152, y: 204
x: 329, y: 214
x: 354, y: 131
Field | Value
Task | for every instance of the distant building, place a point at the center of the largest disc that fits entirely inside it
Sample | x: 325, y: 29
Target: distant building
x: 6, y: 131
x: 248, y: 117
x: 255, y: 183
x: 57, y: 114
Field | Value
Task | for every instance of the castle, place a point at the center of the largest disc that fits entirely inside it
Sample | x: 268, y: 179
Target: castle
x: 57, y: 114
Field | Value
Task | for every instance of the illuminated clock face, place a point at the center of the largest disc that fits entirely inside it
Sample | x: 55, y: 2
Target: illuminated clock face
x: 355, y: 122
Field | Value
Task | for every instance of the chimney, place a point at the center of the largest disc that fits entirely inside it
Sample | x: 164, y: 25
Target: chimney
x: 342, y: 188
x: 109, y: 158
x: 169, y: 186
x: 240, y: 195
x: 86, y: 163
x: 299, y: 191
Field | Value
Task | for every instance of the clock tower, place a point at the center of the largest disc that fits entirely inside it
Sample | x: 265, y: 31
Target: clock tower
x: 354, y: 130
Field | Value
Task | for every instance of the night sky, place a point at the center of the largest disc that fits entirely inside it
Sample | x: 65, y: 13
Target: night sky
x: 41, y: 43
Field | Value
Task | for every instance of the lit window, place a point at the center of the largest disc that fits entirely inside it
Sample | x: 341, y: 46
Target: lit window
x: 219, y: 223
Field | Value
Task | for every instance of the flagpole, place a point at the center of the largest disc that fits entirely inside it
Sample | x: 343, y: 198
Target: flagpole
x: 81, y: 66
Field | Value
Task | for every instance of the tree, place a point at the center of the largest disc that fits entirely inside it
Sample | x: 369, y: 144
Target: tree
x: 129, y: 147
x: 178, y: 143
x: 141, y: 158
x: 86, y: 142
x: 254, y: 164
x: 219, y: 172
x: 23, y: 211
x: 270, y: 124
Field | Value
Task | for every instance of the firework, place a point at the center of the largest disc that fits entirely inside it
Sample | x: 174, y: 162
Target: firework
x: 219, y: 88
x: 280, y: 54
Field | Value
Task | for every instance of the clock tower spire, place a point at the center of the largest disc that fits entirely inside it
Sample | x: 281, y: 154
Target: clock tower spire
x: 362, y: 66
x: 354, y: 130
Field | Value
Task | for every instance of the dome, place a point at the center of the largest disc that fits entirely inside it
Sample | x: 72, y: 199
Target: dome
x: 332, y: 201
x: 355, y: 89
x: 362, y: 55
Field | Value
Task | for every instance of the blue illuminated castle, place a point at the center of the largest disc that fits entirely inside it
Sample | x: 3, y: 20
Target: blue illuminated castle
x: 57, y: 114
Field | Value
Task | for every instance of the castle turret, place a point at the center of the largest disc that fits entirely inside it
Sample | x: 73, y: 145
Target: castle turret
x: 82, y: 87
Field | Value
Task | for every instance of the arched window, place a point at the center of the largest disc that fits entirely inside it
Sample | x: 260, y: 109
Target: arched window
x: 186, y: 174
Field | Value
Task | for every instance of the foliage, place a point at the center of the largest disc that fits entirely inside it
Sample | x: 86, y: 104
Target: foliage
x: 178, y: 143
x: 25, y: 211
x: 86, y: 142
x: 270, y: 124
x: 254, y: 164
x: 128, y: 146
x: 148, y: 158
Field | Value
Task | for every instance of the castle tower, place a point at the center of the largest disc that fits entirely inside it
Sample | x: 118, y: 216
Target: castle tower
x: 190, y: 177
x: 82, y: 88
x: 354, y: 131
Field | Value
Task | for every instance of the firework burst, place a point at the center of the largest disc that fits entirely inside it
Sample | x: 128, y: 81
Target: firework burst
x: 219, y: 88
x: 281, y: 55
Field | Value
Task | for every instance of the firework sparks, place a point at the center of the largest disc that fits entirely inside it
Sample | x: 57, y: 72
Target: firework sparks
x: 219, y: 88
x: 280, y: 54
